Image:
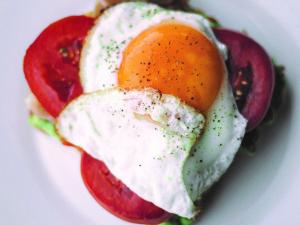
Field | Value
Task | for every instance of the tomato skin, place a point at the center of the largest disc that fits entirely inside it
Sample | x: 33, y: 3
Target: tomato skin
x: 51, y: 63
x: 51, y: 67
x: 115, y: 197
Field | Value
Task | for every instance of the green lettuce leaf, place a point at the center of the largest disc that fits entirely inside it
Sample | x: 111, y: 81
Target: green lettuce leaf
x: 44, y: 125
x: 177, y: 220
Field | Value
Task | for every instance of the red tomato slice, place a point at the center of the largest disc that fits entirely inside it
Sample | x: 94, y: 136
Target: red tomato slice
x: 51, y: 63
x: 115, y: 197
x: 251, y: 75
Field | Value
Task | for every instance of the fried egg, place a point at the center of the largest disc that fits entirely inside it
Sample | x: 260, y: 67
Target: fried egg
x: 139, y: 136
x: 158, y: 108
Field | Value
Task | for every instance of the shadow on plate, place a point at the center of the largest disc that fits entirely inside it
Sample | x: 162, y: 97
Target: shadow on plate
x: 251, y: 176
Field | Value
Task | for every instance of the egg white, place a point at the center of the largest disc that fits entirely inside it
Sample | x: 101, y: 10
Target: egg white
x: 206, y: 158
x: 113, y: 31
x: 142, y: 136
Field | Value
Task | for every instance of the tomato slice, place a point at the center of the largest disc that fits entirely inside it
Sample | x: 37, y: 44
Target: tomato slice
x: 115, y: 197
x: 51, y: 63
x: 251, y: 75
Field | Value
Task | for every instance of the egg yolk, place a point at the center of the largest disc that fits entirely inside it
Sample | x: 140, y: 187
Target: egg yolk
x: 175, y: 59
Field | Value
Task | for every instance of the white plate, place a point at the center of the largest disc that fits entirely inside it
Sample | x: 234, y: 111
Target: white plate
x: 40, y: 182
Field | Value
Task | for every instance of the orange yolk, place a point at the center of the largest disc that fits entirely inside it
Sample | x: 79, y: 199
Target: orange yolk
x: 175, y: 59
